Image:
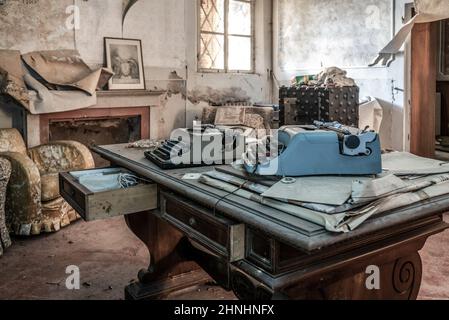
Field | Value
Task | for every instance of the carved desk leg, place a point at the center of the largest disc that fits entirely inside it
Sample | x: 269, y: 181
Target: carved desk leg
x: 399, y: 278
x: 168, y: 270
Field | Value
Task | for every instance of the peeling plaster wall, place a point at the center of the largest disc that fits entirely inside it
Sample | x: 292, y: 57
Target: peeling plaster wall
x: 35, y: 25
x: 310, y: 22
x: 378, y: 82
x: 168, y: 30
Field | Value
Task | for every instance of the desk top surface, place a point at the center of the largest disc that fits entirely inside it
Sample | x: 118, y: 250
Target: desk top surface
x: 290, y: 229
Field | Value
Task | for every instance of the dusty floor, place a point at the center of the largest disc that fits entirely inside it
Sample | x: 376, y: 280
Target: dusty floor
x: 109, y: 257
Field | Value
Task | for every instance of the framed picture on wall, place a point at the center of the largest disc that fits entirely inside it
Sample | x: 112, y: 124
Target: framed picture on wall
x: 124, y: 57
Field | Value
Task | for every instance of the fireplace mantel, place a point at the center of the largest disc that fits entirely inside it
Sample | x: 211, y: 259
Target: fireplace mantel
x: 128, y: 98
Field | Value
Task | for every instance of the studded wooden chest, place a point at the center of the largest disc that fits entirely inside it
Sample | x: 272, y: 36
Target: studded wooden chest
x: 305, y: 104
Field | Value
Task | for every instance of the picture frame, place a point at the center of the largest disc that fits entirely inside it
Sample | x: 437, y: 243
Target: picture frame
x: 125, y: 58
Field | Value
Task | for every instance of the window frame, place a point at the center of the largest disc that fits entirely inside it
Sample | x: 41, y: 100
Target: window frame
x: 226, y: 36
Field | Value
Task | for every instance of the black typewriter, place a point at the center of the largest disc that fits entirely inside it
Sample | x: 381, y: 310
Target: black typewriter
x: 162, y: 156
x: 232, y: 146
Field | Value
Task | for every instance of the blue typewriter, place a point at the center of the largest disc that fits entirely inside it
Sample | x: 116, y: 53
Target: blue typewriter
x: 320, y: 149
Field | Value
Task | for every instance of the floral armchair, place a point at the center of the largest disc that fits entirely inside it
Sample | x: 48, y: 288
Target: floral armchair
x: 33, y: 202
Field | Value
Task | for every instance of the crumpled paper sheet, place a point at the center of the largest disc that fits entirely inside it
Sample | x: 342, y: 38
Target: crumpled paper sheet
x: 428, y: 11
x: 66, y: 68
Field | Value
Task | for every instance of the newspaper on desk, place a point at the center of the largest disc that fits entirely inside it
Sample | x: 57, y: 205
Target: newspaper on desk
x: 341, y: 204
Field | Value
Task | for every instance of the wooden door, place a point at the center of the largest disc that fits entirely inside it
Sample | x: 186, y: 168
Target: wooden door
x: 424, y: 59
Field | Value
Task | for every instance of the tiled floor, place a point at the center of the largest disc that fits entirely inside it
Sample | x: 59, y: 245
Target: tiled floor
x: 109, y: 257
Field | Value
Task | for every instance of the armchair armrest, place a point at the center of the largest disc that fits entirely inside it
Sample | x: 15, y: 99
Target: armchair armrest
x: 61, y: 156
x: 23, y: 197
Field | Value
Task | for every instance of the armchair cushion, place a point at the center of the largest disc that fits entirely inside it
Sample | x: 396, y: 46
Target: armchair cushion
x: 5, y: 172
x: 11, y: 141
x: 50, y: 186
x: 61, y: 156
x: 23, y: 201
x: 33, y: 203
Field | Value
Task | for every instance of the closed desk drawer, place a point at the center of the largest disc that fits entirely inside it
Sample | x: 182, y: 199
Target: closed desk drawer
x: 222, y: 236
x: 106, y: 204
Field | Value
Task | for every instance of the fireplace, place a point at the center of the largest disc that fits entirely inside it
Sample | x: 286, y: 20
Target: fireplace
x: 96, y: 126
x: 118, y: 117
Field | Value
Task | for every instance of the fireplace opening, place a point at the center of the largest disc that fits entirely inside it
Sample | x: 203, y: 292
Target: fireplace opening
x: 97, y: 131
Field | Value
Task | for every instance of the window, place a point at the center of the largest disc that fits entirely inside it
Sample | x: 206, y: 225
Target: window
x: 226, y: 35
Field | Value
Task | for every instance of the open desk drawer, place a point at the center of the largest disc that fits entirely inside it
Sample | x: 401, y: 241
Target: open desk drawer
x: 106, y: 204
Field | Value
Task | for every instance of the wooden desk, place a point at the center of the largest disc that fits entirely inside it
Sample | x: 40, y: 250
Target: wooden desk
x: 261, y: 253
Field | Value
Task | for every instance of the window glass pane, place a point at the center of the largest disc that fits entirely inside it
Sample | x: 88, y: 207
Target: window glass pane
x: 212, y: 15
x: 239, y: 17
x: 212, y: 51
x: 240, y: 53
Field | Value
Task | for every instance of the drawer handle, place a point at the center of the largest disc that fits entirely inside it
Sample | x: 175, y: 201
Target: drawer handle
x: 192, y: 222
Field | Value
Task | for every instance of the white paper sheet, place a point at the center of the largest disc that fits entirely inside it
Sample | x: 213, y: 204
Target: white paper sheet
x: 323, y: 190
x: 404, y: 163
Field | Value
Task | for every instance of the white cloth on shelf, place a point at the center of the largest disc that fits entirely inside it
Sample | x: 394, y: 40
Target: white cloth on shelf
x: 43, y: 100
